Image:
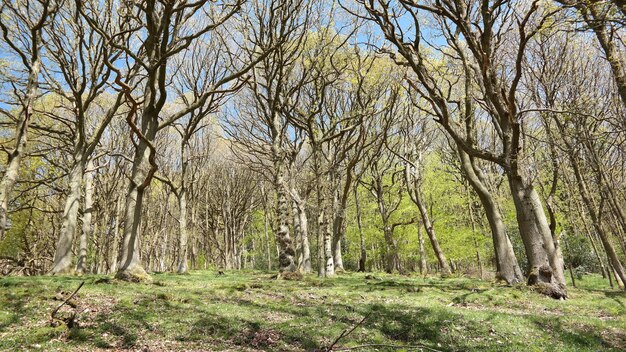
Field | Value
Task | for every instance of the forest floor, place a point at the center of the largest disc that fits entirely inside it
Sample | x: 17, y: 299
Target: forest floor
x: 248, y: 311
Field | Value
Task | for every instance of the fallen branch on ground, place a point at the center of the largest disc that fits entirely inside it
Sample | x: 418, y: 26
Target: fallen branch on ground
x: 346, y: 333
x: 70, y: 321
x: 409, y: 347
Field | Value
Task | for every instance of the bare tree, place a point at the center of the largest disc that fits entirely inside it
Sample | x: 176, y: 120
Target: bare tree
x: 22, y: 28
x: 167, y: 29
x: 479, y: 26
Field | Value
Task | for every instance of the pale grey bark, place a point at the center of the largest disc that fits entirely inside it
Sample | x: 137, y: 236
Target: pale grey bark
x: 21, y: 135
x: 326, y: 265
x: 183, y: 235
x: 266, y: 228
x: 286, y: 251
x: 545, y: 264
x: 87, y: 231
x: 115, y: 241
x: 301, y: 227
x: 63, y: 255
x: 129, y: 264
x: 338, y: 228
x: 27, y: 46
x: 328, y: 249
x: 324, y: 205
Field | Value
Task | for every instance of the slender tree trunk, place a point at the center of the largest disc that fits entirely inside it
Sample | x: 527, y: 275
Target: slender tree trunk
x: 391, y: 260
x: 329, y: 267
x: 506, y: 263
x: 86, y: 234
x: 15, y: 156
x: 599, y: 24
x: 363, y: 256
x: 422, y: 251
x: 297, y: 231
x: 63, y: 254
x: 266, y: 229
x: 326, y: 261
x: 339, y: 227
x: 115, y: 244
x: 182, y: 230
x: 306, y: 247
x: 596, y: 221
x: 430, y: 231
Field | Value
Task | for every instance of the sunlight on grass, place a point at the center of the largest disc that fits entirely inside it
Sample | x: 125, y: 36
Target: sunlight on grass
x: 249, y: 311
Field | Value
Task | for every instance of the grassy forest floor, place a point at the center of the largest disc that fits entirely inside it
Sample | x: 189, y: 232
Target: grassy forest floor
x: 248, y: 311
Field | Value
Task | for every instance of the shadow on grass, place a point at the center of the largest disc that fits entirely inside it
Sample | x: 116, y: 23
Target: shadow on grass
x: 579, y: 336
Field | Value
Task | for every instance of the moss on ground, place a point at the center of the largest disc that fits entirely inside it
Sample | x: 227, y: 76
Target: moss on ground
x: 247, y: 311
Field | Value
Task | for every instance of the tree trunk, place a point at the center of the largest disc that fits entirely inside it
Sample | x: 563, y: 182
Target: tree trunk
x: 266, y: 229
x: 297, y: 231
x: 286, y: 250
x: 15, y: 156
x: 430, y: 230
x: 420, y: 239
x: 328, y: 250
x: 63, y: 254
x: 545, y: 269
x: 599, y: 24
x: 129, y: 264
x: 326, y: 261
x: 339, y: 226
x: 86, y: 234
x: 506, y: 263
x: 303, y: 224
x: 391, y: 260
x: 182, y: 230
x: 115, y: 244
x: 363, y: 256
x: 596, y: 221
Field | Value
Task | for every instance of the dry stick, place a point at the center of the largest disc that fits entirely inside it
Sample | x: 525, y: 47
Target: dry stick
x: 421, y: 347
x: 65, y: 302
x: 346, y: 333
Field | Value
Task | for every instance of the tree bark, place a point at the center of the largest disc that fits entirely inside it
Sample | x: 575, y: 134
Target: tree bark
x: 422, y: 252
x: 286, y: 250
x: 506, y: 263
x: 545, y: 268
x: 417, y: 198
x: 129, y: 264
x: 63, y: 255
x: 391, y: 257
x: 182, y: 230
x: 599, y: 26
x: 363, y: 254
x: 87, y: 232
x: 15, y: 156
x: 304, y: 260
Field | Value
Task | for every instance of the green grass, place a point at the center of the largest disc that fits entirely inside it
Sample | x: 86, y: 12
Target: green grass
x: 247, y: 311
